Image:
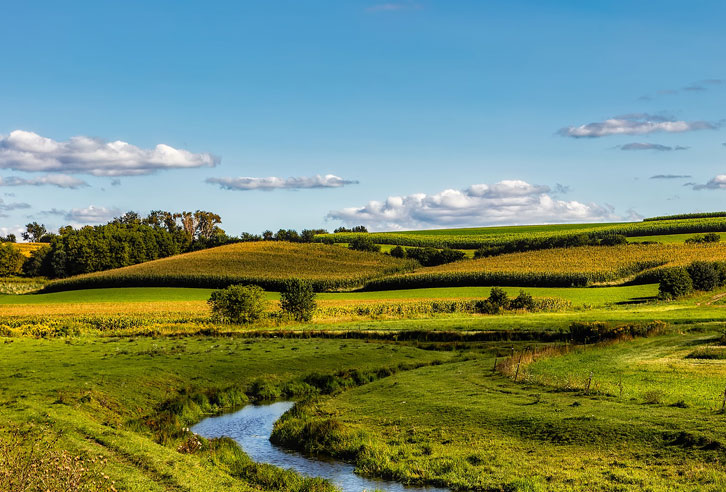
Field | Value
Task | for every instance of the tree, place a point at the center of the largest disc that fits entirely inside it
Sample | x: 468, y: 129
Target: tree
x: 11, y: 260
x: 703, y: 275
x: 238, y: 304
x: 38, y: 263
x: 675, y: 283
x: 398, y: 252
x: 297, y: 299
x: 10, y: 238
x: 364, y: 243
x: 523, y: 301
x: 206, y: 224
x: 34, y: 232
x: 498, y: 297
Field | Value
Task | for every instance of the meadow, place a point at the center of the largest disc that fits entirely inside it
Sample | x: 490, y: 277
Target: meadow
x: 408, y: 379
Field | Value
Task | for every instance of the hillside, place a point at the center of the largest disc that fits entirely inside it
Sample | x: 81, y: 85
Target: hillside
x: 264, y: 263
x: 560, y: 267
x: 27, y: 248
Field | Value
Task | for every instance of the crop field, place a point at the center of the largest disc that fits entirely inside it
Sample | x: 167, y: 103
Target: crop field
x: 487, y: 236
x: 669, y: 238
x: 267, y: 264
x: 559, y: 267
x: 27, y: 248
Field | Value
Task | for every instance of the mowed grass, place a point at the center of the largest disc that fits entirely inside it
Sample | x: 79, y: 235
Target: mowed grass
x: 92, y: 392
x: 669, y: 238
x: 268, y: 263
x: 470, y: 428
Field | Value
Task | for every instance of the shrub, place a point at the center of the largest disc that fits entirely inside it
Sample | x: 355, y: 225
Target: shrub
x: 11, y: 260
x: 523, y: 301
x: 38, y: 264
x: 674, y: 283
x: 704, y: 275
x: 398, y: 252
x: 364, y: 243
x: 498, y: 297
x: 298, y: 299
x: 238, y: 303
x: 711, y: 237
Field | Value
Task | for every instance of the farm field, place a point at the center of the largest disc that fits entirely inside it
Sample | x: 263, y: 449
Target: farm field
x: 669, y: 238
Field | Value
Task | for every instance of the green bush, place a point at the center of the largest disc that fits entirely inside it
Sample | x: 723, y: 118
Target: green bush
x: 298, y: 299
x: 704, y: 275
x: 523, y: 301
x: 238, y: 303
x: 364, y: 243
x: 674, y: 283
x: 398, y: 252
x: 498, y: 297
x: 11, y: 260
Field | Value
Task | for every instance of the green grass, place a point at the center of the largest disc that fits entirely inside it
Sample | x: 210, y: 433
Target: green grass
x: 578, y: 296
x: 91, y: 391
x: 669, y: 238
x: 465, y: 426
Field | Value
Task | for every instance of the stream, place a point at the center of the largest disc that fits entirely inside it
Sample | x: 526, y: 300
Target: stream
x: 251, y: 428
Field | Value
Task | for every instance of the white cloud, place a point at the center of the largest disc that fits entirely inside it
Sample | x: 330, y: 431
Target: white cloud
x: 650, y: 146
x: 8, y: 207
x: 393, y: 6
x: 506, y: 202
x: 28, y: 151
x: 59, y: 180
x: 634, y: 124
x: 274, y: 183
x: 85, y: 216
x: 715, y: 183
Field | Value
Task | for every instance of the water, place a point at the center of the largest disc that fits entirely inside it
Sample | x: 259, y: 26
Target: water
x: 251, y: 427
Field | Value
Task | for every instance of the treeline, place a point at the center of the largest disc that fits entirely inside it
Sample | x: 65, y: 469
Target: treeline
x: 701, y: 215
x: 537, y: 243
x: 126, y: 240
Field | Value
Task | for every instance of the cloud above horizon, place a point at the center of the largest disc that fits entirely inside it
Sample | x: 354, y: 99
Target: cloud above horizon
x: 634, y: 124
x: 59, y: 180
x: 716, y: 183
x: 393, y: 7
x: 650, y: 146
x: 275, y: 183
x: 505, y: 202
x: 85, y: 216
x: 9, y: 207
x: 27, y: 151
x: 671, y: 176
x: 700, y: 86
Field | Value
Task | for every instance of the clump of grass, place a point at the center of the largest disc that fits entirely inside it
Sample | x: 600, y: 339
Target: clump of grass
x: 712, y: 353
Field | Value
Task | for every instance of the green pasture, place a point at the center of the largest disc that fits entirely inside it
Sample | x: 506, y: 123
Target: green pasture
x: 669, y: 238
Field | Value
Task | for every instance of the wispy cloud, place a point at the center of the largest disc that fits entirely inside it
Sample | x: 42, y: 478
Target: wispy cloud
x: 30, y: 152
x: 650, y: 146
x: 716, y: 183
x: 9, y: 207
x: 59, y: 180
x: 671, y: 176
x: 506, y: 202
x: 700, y: 86
x: 274, y: 183
x: 634, y: 124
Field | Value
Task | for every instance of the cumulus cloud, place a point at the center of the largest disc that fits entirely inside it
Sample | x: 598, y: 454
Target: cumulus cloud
x: 506, y: 202
x: 274, y: 183
x: 89, y: 215
x: 650, y: 146
x: 634, y: 124
x: 671, y: 176
x: 59, y: 180
x: 715, y: 183
x: 30, y: 152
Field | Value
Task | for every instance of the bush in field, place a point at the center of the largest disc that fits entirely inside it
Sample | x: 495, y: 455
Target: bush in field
x: 703, y: 275
x: 498, y: 297
x: 674, y: 283
x: 711, y: 237
x: 298, y: 299
x: 398, y: 252
x: 238, y: 303
x: 11, y: 260
x: 523, y: 301
x: 364, y: 243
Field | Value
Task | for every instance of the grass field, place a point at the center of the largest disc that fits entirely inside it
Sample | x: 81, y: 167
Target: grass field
x: 669, y: 238
x: 464, y: 426
x: 263, y: 263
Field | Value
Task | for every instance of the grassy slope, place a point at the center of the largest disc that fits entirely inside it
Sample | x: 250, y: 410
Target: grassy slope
x: 463, y: 425
x: 27, y: 248
x: 100, y: 385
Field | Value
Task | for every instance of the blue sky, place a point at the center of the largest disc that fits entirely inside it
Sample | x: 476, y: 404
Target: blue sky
x: 425, y: 113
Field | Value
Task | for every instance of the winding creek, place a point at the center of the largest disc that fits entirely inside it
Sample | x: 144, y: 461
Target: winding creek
x: 251, y: 428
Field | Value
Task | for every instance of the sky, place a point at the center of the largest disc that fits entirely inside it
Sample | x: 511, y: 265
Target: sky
x: 406, y: 114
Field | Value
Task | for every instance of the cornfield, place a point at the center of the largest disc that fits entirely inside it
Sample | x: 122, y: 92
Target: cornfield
x: 267, y: 264
x: 563, y: 267
x: 495, y: 236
